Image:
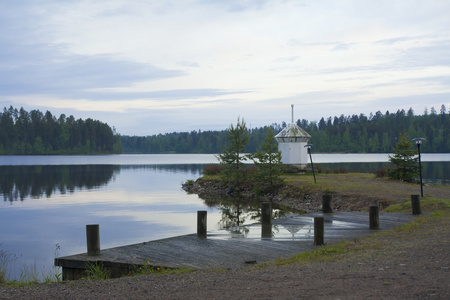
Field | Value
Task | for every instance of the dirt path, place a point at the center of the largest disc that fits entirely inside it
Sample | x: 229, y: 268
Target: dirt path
x: 409, y: 264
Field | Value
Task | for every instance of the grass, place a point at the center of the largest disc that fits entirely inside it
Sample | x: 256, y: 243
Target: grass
x: 149, y: 268
x: 426, y: 204
x: 326, y: 253
x: 29, y: 274
x: 96, y: 271
x: 337, y: 251
x: 5, y: 266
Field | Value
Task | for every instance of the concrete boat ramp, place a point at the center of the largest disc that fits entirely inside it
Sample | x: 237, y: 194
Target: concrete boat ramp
x: 236, y: 247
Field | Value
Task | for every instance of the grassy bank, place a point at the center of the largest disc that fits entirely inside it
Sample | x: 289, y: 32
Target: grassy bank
x: 351, y: 191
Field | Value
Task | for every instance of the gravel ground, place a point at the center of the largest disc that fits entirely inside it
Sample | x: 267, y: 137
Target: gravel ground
x: 402, y: 264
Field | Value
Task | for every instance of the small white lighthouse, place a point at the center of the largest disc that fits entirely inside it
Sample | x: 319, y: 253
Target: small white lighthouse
x: 291, y: 142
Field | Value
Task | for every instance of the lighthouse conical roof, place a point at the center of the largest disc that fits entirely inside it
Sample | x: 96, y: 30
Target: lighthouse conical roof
x: 292, y: 133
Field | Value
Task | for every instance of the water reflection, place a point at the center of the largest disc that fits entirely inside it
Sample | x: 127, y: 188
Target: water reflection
x: 237, y: 211
x: 195, y: 169
x: 293, y: 229
x: 21, y: 182
x: 36, y: 181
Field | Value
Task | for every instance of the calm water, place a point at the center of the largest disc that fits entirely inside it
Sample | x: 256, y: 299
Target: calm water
x: 48, y: 200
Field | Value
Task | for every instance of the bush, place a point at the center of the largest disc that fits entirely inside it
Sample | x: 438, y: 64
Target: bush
x: 340, y: 170
x: 189, y: 182
x: 250, y: 170
x: 212, y: 169
x: 380, y: 173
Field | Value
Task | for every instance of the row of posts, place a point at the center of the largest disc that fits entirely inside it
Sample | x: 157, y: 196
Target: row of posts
x: 319, y: 228
x: 93, y: 233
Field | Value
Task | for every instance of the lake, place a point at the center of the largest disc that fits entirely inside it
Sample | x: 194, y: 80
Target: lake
x: 48, y: 200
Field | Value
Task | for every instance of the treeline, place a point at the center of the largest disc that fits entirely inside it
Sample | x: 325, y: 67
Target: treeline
x: 187, y: 142
x: 376, y: 133
x: 379, y: 133
x: 34, y: 132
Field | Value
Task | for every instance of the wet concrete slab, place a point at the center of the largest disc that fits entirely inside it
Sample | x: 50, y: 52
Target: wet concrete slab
x: 231, y: 248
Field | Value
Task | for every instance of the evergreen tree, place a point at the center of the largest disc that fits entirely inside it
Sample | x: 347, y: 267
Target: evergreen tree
x: 405, y: 161
x: 269, y: 165
x: 37, y: 133
x: 232, y: 157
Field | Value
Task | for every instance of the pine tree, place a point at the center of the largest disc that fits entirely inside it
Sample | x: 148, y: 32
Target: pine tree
x: 405, y: 161
x: 269, y: 165
x: 232, y: 157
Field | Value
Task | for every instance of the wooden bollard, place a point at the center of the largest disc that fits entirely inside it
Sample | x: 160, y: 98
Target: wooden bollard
x: 266, y: 213
x: 415, y: 204
x: 318, y: 231
x: 374, y: 220
x: 201, y: 223
x: 266, y: 220
x: 326, y: 203
x: 93, y: 239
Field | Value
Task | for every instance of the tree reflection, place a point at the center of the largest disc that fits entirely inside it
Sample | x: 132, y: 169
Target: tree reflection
x: 22, y: 182
x: 237, y: 211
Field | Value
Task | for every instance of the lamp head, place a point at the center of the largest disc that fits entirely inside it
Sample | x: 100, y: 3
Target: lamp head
x: 418, y: 140
x: 308, y: 146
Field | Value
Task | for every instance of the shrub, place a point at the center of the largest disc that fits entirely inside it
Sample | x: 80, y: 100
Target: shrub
x: 189, y: 182
x: 380, y: 173
x: 343, y: 170
x: 213, y: 169
x: 250, y: 169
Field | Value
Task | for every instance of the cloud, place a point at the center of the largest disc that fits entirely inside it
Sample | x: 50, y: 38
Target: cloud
x: 342, y: 46
x: 189, y: 64
x: 200, y: 62
x: 396, y: 40
x: 237, y: 5
x: 167, y: 94
x: 43, y: 69
x: 417, y: 102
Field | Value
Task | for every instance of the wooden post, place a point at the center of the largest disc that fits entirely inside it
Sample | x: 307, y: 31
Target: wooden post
x: 266, y: 220
x: 374, y: 221
x: 326, y: 203
x: 415, y: 204
x: 93, y: 239
x: 201, y: 223
x: 266, y: 213
x: 318, y: 231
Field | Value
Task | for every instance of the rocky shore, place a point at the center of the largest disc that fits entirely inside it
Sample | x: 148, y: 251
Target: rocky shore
x: 287, y: 196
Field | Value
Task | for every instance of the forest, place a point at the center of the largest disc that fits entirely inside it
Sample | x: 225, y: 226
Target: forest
x: 34, y: 132
x: 376, y: 133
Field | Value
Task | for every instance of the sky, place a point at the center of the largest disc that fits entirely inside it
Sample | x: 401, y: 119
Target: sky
x: 150, y: 67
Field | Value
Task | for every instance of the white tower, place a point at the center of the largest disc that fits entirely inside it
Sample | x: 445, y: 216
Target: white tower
x: 291, y: 142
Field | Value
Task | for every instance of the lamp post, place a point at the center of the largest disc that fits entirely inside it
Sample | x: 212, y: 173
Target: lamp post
x: 418, y: 143
x: 308, y: 146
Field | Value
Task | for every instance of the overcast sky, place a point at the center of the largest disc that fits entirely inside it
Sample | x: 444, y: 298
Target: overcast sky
x: 149, y: 67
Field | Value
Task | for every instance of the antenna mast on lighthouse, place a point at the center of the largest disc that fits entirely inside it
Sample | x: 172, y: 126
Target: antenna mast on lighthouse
x: 292, y: 111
